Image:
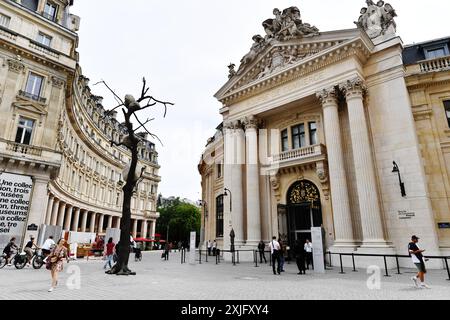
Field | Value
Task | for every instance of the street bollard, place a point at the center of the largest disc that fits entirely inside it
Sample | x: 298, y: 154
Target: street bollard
x: 342, y: 267
x: 398, y: 264
x: 385, y: 267
x: 354, y: 266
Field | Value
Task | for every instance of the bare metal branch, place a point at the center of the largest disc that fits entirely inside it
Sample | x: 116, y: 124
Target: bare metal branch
x: 146, y: 130
x: 112, y: 91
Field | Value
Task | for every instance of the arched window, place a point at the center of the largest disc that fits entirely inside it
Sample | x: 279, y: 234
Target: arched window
x: 219, y: 216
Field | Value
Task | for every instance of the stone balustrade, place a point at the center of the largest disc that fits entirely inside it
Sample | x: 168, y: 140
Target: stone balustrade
x: 23, y: 149
x: 302, y: 153
x: 438, y: 64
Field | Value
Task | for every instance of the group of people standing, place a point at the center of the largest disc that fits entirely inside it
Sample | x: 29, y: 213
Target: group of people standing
x: 212, y: 247
x: 279, y: 252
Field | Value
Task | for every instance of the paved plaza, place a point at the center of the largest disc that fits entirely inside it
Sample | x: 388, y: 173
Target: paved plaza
x: 170, y: 280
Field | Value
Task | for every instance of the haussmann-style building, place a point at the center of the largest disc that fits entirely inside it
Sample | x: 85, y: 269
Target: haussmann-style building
x: 312, y: 125
x: 58, y: 170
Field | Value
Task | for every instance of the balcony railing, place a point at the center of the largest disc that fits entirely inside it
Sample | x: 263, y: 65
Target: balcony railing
x: 8, y: 33
x: 299, y: 154
x: 23, y: 149
x: 44, y: 49
x: 31, y: 96
x: 438, y: 64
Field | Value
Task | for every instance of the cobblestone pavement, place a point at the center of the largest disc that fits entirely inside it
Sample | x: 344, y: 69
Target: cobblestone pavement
x: 170, y: 280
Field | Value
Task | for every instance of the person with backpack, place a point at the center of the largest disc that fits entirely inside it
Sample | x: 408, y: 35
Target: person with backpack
x: 417, y: 257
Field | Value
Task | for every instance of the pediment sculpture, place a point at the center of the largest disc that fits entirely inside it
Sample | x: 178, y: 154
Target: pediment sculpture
x: 285, y: 26
x: 377, y: 19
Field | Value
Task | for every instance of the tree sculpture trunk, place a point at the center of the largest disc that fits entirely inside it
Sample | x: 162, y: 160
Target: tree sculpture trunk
x: 131, y: 142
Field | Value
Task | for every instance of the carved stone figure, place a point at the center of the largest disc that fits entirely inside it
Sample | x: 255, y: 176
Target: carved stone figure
x: 377, y: 19
x: 231, y: 71
x: 258, y: 46
x: 286, y: 25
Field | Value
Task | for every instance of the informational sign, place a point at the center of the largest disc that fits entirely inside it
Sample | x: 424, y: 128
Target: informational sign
x: 192, y: 248
x: 318, y: 250
x: 405, y: 215
x: 32, y: 227
x: 444, y: 225
x: 15, y: 194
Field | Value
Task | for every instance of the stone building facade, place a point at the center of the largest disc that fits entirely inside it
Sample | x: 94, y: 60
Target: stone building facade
x: 55, y: 132
x: 313, y: 122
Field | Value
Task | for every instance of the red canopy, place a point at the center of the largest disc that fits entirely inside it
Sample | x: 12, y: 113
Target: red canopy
x: 143, y: 240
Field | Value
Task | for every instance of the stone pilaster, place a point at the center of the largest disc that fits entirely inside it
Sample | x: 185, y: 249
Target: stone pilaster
x: 144, y: 229
x: 252, y: 164
x: 100, y: 223
x: 110, y: 221
x: 61, y: 215
x: 134, y: 229
x: 338, y: 178
x: 39, y: 202
x: 84, y: 221
x: 373, y: 235
x: 48, y: 217
x: 237, y: 214
x: 92, y: 224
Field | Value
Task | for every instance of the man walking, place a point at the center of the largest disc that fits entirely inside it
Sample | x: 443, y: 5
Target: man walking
x: 309, y: 254
x: 418, y: 260
x: 209, y: 247
x: 214, y: 248
x: 261, y: 248
x: 275, y: 249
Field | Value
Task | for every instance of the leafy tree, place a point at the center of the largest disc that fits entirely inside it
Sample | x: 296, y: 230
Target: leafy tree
x: 179, y: 218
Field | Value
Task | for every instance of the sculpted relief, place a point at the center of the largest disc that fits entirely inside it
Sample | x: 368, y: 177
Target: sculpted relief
x: 286, y: 25
x: 377, y: 19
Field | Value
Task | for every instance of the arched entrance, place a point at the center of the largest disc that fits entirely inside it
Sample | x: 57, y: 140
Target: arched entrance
x: 304, y: 211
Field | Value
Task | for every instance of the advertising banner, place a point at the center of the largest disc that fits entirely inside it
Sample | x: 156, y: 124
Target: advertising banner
x: 15, y: 195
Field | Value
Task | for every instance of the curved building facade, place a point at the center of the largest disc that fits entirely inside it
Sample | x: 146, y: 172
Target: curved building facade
x: 56, y: 156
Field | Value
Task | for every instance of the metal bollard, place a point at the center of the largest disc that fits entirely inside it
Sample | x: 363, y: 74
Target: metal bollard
x: 398, y: 264
x: 354, y: 266
x: 255, y: 254
x: 385, y: 267
x: 200, y: 256
x: 342, y: 268
x: 448, y: 271
x: 238, y: 257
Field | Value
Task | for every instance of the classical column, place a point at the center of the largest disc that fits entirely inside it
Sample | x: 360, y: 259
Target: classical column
x: 92, y: 225
x: 252, y: 165
x: 100, y: 223
x: 84, y: 221
x: 110, y: 221
x: 237, y: 192
x: 144, y: 229
x: 48, y: 216
x: 153, y: 228
x: 76, y: 218
x: 61, y: 214
x: 118, y: 220
x: 54, y: 219
x: 68, y: 218
x: 134, y: 230
x: 369, y: 205
x: 342, y: 218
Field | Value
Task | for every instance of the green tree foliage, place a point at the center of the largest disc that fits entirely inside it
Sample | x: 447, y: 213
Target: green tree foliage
x: 181, y: 217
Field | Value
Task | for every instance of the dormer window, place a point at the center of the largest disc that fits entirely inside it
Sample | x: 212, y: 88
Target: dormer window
x: 30, y: 4
x: 50, y: 11
x: 436, y: 51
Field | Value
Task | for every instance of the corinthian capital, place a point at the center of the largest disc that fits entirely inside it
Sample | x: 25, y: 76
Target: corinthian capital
x: 327, y: 96
x: 15, y: 65
x: 353, y: 87
x: 251, y: 122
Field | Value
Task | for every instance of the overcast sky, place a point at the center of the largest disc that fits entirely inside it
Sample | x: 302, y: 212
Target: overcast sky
x: 183, y: 48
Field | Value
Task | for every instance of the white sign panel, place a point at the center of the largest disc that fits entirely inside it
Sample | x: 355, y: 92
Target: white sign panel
x: 192, y: 248
x: 318, y: 253
x: 15, y: 194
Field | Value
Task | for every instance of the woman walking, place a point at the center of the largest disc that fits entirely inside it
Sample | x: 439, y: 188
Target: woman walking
x: 55, y: 262
x: 109, y: 253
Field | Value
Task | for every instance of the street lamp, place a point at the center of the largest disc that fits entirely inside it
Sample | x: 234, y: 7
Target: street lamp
x: 402, y: 185
x: 204, y: 205
x: 227, y: 193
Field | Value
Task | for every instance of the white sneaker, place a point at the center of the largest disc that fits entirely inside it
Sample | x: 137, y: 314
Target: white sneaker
x: 9, y: 265
x: 416, y: 282
x: 424, y: 286
x: 51, y: 289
